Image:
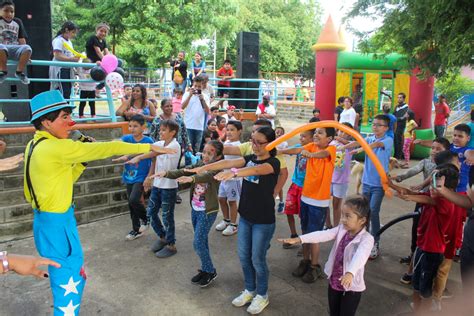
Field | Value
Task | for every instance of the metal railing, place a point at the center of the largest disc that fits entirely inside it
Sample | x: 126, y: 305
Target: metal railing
x: 459, y: 109
x: 74, y: 98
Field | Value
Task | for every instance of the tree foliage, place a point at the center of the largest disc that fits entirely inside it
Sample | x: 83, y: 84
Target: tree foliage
x: 148, y: 32
x: 454, y: 86
x: 437, y: 36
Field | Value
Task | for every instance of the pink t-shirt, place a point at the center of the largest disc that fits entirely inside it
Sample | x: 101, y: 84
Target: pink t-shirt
x: 176, y: 105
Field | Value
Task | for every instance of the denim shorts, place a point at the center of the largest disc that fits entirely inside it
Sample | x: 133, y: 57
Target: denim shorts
x: 312, y: 217
x: 15, y: 51
x: 426, y: 266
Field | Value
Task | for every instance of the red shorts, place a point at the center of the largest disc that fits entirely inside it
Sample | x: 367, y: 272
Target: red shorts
x: 293, y: 200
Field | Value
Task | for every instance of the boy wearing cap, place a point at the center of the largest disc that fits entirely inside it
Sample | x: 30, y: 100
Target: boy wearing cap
x: 12, y: 42
x: 53, y: 164
x: 230, y: 114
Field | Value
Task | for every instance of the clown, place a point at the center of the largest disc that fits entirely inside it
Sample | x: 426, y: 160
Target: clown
x: 53, y: 164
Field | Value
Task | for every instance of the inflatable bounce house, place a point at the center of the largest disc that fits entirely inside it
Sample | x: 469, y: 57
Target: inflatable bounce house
x: 371, y: 81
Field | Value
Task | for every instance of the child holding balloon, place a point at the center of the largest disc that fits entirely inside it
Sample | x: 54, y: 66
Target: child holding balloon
x: 96, y: 46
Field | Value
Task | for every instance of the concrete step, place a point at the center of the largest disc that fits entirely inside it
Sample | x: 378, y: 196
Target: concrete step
x: 12, y: 197
x: 23, y: 211
x: 15, y: 180
x: 23, y: 228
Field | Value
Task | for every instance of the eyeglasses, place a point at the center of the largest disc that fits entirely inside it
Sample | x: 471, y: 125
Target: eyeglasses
x: 258, y: 143
x: 378, y: 125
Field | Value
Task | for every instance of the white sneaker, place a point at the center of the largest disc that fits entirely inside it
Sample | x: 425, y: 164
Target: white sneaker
x: 222, y: 225
x: 230, y: 230
x: 132, y: 235
x: 258, y: 305
x: 143, y: 228
x: 435, y: 306
x: 244, y: 298
x: 374, y: 253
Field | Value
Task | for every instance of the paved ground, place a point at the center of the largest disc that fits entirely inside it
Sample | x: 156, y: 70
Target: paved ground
x: 124, y: 277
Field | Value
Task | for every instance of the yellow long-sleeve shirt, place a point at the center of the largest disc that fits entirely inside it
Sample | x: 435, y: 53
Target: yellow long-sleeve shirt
x: 56, y: 165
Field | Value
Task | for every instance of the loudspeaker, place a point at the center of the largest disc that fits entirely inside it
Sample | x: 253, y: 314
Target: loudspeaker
x: 36, y: 17
x: 248, y: 57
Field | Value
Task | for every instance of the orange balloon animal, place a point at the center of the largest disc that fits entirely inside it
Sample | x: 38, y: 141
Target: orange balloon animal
x: 347, y: 130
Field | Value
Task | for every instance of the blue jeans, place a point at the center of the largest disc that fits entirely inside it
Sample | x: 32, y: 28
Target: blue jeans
x: 164, y: 199
x: 253, y: 243
x: 195, y: 139
x: 202, y: 224
x: 181, y: 86
x: 375, y: 196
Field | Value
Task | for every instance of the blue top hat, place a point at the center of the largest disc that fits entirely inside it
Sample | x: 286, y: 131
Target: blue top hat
x: 47, y: 102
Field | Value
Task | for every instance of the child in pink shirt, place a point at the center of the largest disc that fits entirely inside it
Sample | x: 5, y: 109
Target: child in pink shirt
x: 348, y: 256
x: 177, y: 100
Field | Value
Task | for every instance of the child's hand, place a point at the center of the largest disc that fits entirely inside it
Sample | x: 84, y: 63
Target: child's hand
x: 121, y: 159
x: 224, y: 175
x: 355, y: 151
x: 306, y: 154
x: 291, y: 241
x: 346, y: 280
x: 159, y: 174
x: 10, y: 162
x: 201, y: 169
x: 147, y: 184
x: 402, y: 196
x: 416, y: 188
x: 185, y: 179
x: 163, y: 150
x: 134, y: 161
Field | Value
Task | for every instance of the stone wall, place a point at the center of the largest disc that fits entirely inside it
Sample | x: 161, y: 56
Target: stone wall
x: 295, y: 111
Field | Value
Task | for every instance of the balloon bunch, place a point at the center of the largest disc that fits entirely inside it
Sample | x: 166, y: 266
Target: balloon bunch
x: 110, y: 70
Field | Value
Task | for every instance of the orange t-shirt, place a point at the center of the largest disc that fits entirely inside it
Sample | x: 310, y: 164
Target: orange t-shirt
x: 317, y: 183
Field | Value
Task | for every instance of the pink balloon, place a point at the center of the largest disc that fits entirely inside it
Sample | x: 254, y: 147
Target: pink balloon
x: 109, y: 63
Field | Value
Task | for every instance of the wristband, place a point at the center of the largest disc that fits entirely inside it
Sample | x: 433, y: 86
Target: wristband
x: 4, y: 260
x: 234, y: 171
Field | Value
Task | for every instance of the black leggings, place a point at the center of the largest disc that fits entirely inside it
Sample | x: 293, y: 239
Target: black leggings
x: 82, y: 104
x: 135, y: 204
x: 65, y: 73
x: 343, y: 303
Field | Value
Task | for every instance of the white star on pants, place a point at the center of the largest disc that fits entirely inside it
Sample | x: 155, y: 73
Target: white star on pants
x: 69, y: 309
x: 71, y: 286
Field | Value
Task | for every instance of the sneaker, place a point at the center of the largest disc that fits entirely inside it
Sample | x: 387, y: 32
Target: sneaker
x: 178, y: 199
x: 406, y: 260
x: 133, y: 235
x: 312, y: 274
x: 144, y: 225
x: 166, y: 252
x: 374, y: 253
x: 258, y: 305
x: 197, y: 278
x: 447, y: 294
x: 435, y: 306
x: 222, y: 225
x: 230, y: 230
x: 289, y: 246
x: 406, y: 278
x: 23, y: 78
x: 281, y: 207
x: 207, y: 279
x: 158, y: 245
x: 302, y: 268
x: 3, y: 76
x: 244, y: 298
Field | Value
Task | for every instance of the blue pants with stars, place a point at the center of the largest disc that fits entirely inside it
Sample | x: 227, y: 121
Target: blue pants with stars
x: 57, y: 238
x: 202, y: 224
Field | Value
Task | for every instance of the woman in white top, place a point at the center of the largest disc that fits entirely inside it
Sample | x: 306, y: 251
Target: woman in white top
x: 348, y: 115
x: 62, y: 53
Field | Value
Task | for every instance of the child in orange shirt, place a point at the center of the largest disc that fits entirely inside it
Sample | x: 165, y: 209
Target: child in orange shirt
x: 316, y: 196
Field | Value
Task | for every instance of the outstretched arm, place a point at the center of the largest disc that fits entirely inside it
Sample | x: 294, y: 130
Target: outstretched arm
x: 219, y: 165
x: 259, y: 170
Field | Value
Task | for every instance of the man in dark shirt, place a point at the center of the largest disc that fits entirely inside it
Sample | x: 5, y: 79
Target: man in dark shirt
x: 12, y: 42
x: 401, y: 113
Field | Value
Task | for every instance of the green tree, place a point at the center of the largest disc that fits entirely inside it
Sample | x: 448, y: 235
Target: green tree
x: 437, y: 36
x: 454, y: 86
